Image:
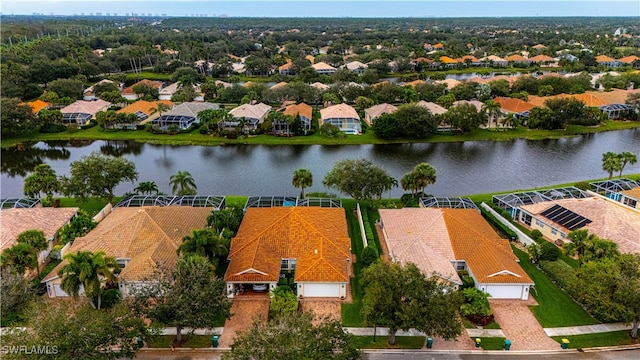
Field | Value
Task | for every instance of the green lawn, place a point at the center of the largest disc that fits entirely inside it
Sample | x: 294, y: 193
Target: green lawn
x: 236, y: 200
x: 614, y: 338
x: 91, y: 206
x: 351, y: 312
x: 382, y: 342
x: 555, y: 308
x: 491, y: 343
x: 190, y: 341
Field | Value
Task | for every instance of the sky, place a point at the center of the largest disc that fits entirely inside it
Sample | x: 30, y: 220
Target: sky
x: 316, y: 8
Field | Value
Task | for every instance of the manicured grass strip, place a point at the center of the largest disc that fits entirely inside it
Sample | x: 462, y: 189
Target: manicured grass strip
x: 493, y: 325
x: 614, y: 338
x: 351, y: 312
x: 382, y: 342
x: 555, y: 308
x: 491, y: 343
x: 240, y: 201
x: 91, y: 206
x: 190, y: 341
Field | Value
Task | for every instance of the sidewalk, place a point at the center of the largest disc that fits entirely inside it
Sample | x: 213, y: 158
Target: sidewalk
x: 172, y: 331
x: 586, y: 329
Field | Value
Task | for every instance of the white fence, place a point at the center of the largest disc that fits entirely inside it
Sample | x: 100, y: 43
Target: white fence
x: 521, y: 235
x: 361, y: 225
x: 106, y: 210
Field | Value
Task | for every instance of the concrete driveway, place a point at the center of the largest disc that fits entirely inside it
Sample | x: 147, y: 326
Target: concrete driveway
x: 244, y: 311
x: 520, y: 326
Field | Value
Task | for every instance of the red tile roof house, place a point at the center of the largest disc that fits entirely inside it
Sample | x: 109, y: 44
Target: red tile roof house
x: 441, y: 241
x: 302, y: 110
x: 129, y: 94
x: 312, y: 241
x: 17, y: 220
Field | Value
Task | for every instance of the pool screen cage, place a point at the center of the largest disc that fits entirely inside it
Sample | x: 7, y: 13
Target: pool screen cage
x: 447, y: 202
x: 19, y: 203
x: 614, y: 185
x: 515, y: 200
x: 216, y: 202
x: 271, y: 201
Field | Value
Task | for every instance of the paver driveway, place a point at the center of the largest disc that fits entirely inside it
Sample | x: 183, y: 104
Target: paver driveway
x: 520, y: 326
x: 244, y: 311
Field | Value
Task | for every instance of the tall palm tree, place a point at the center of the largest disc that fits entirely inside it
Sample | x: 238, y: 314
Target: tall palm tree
x: 578, y: 245
x: 393, y: 183
x: 90, y: 271
x: 35, y: 239
x: 408, y: 183
x: 627, y: 157
x: 492, y: 110
x: 161, y: 107
x: 611, y: 162
x: 206, y: 243
x: 19, y: 257
x: 302, y: 178
x: 147, y: 188
x: 425, y: 175
x: 182, y: 184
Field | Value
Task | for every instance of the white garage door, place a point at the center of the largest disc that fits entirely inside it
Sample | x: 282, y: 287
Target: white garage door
x: 58, y: 291
x: 505, y: 291
x: 321, y: 290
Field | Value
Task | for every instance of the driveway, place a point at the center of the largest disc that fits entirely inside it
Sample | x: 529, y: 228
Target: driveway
x: 520, y: 326
x: 244, y: 311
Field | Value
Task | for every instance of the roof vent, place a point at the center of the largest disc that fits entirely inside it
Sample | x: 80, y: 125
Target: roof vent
x: 315, y: 251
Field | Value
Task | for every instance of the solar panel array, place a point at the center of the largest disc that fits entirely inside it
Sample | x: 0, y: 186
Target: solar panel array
x: 565, y: 217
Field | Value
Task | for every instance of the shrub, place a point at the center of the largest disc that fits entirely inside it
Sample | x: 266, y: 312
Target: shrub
x: 476, y: 306
x: 80, y: 225
x: 283, y: 301
x: 583, y: 185
x: 561, y: 273
x: 510, y: 234
x: 319, y: 194
x: 52, y: 128
x: 369, y: 255
x: 549, y: 252
x: 110, y: 298
x: 536, y: 235
x: 204, y: 129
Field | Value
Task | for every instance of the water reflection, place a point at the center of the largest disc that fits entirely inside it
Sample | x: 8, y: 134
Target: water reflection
x: 21, y: 160
x: 119, y: 148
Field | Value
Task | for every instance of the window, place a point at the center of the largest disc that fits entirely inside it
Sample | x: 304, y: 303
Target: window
x: 540, y: 224
x: 122, y: 263
x: 288, y: 264
x: 563, y: 235
x: 554, y: 231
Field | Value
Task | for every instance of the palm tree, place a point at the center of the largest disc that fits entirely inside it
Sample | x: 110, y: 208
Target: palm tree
x: 161, y: 107
x: 302, y: 178
x: 43, y: 179
x: 35, y: 239
x: 147, y: 188
x: 627, y: 157
x: 425, y: 175
x: 611, y: 162
x: 207, y: 243
x: 90, y: 271
x: 182, y: 184
x: 492, y: 110
x: 19, y: 257
x: 408, y: 183
x: 510, y: 120
x: 578, y: 245
x: 393, y: 183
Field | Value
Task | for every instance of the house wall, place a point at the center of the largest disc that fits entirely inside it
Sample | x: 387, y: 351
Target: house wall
x: 54, y: 289
x: 313, y: 289
x: 548, y: 230
x: 347, y: 125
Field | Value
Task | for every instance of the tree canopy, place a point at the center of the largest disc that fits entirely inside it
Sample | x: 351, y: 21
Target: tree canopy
x: 359, y: 178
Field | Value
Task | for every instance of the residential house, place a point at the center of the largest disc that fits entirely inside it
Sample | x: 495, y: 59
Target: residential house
x: 438, y: 47
x: 129, y: 94
x: 323, y: 50
x: 607, y: 61
x: 145, y: 111
x: 323, y: 68
x: 448, y: 62
x: 81, y: 111
x: 183, y: 115
x: 278, y: 85
x: 630, y: 60
x: 287, y: 69
x: 603, y: 217
x: 305, y: 114
x: 356, y: 67
x: 224, y: 84
x: 433, y: 108
x: 38, y: 105
x: 47, y: 219
x: 311, y: 58
x: 517, y: 59
x: 320, y: 86
x: 372, y: 113
x: 423, y: 63
x: 167, y: 92
x: 89, y: 93
x: 311, y: 242
x: 625, y: 191
x: 519, y: 108
x: 442, y: 241
x: 415, y: 83
x: 494, y: 61
x: 543, y: 60
x: 477, y: 104
x: 343, y: 116
x: 143, y: 240
x: 252, y: 114
x: 450, y: 83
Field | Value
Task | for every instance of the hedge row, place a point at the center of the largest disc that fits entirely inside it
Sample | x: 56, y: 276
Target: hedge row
x: 560, y: 273
x: 496, y: 223
x: 367, y: 227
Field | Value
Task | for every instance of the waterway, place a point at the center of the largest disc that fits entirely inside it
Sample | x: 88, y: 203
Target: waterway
x: 462, y: 167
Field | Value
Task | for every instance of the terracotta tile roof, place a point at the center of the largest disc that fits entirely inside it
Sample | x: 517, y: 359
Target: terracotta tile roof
x: 493, y: 58
x: 320, y: 86
x: 311, y: 58
x: 588, y: 98
x: 144, y: 106
x: 476, y: 103
x: 516, y: 58
x: 629, y: 59
x: 438, y: 46
x: 257, y: 111
x: 15, y: 221
x: 610, y: 220
x: 513, y: 105
x: 615, y: 96
x: 468, y: 57
x: 280, y: 84
x: 377, y: 110
x: 539, y: 46
x: 541, y: 58
x: 86, y: 107
x: 322, y: 66
x: 38, y: 105
x: 448, y: 60
x: 316, y: 237
x: 434, y: 108
x: 286, y: 66
x: 301, y: 109
x: 633, y: 193
x: 451, y: 83
x: 153, y: 84
x: 415, y: 83
x: 424, y: 60
x: 604, y: 59
x: 537, y: 101
x: 488, y: 256
x: 341, y: 111
x: 147, y: 235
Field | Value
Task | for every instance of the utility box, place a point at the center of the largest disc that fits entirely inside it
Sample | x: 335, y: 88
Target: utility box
x: 214, y: 341
x: 507, y: 344
x: 478, y: 341
x: 565, y: 343
x: 429, y: 343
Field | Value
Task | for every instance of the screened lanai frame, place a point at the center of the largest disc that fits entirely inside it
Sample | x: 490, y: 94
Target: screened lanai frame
x: 215, y: 202
x: 19, y: 203
x: 183, y: 121
x: 613, y: 185
x: 515, y: 200
x: 447, y: 203
x: 285, y: 201
x: 75, y: 118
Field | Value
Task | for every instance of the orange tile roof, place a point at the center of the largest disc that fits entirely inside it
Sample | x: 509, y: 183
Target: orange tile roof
x: 148, y: 235
x: 513, y: 105
x: 604, y: 58
x: 286, y: 66
x: 629, y: 59
x: 316, y: 237
x: 311, y: 58
x: 489, y: 257
x: 15, y: 221
x: 515, y: 58
x: 154, y: 84
x: 144, y: 106
x: 299, y: 109
x: 438, y: 46
x: 38, y: 105
x: 616, y: 96
x: 448, y: 60
x: 541, y: 58
x: 414, y: 83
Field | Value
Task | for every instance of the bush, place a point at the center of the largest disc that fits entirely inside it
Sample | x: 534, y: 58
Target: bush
x: 582, y: 185
x: 476, y: 306
x: 110, y: 298
x: 369, y: 255
x: 510, y: 234
x: 319, y: 194
x: 548, y: 252
x: 204, y: 129
x: 89, y: 125
x: 283, y: 301
x: 561, y: 273
x: 52, y: 128
x: 536, y: 235
x: 411, y: 201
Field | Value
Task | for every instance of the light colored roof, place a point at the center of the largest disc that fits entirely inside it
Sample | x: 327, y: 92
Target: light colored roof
x: 615, y: 96
x: 320, y: 86
x: 171, y: 89
x: 153, y: 84
x: 513, y: 105
x: 450, y: 83
x: 15, y: 221
x: 144, y: 106
x: 419, y: 237
x: 322, y: 66
x: 149, y: 236
x: 355, y: 65
x: 316, y: 237
x: 633, y: 193
x: 86, y: 107
x: 90, y: 89
x: 257, y: 111
x: 377, y: 110
x: 280, y: 84
x: 286, y: 66
x: 493, y: 58
x: 223, y: 83
x: 610, y: 220
x: 38, y: 105
x: 434, y: 108
x: 476, y: 103
x: 539, y: 46
x: 301, y: 109
x: 191, y: 108
x: 340, y: 111
x: 414, y: 83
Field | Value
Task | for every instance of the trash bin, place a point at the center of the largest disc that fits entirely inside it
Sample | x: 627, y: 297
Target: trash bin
x: 139, y: 342
x: 565, y: 343
x: 214, y: 341
x: 429, y: 343
x: 507, y: 344
x: 478, y: 342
